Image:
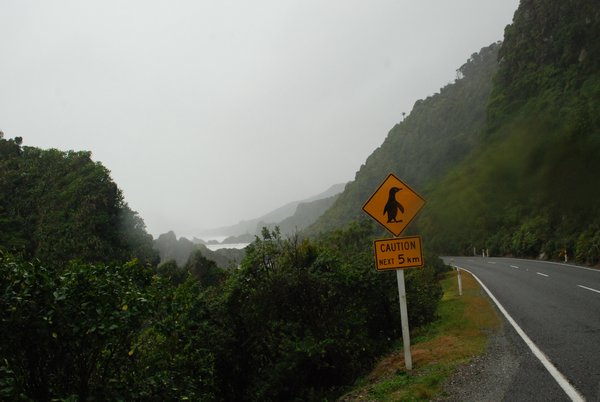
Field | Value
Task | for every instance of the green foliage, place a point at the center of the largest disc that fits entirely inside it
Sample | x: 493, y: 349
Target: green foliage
x: 510, y: 168
x: 69, y: 332
x: 205, y: 270
x: 106, y: 333
x: 171, y: 272
x: 176, y: 356
x: 588, y: 246
x: 531, y: 187
x: 61, y: 206
x: 549, y: 46
x: 440, y: 131
x: 299, y: 320
x: 309, y: 317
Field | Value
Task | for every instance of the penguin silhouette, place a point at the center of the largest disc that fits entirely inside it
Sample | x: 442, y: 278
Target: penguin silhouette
x: 392, y: 206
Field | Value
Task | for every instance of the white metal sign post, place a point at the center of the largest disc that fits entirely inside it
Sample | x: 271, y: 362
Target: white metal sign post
x: 394, y: 204
x: 404, y: 319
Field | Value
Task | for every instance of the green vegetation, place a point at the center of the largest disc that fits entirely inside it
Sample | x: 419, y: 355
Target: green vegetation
x: 104, y: 333
x: 459, y: 334
x: 60, y: 206
x: 507, y: 156
x: 299, y: 319
x: 439, y: 132
x: 532, y: 188
x: 308, y: 317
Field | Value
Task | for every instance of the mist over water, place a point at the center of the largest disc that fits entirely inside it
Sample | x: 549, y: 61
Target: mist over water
x: 214, y: 247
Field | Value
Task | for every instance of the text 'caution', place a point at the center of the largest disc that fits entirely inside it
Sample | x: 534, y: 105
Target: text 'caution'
x: 398, y: 253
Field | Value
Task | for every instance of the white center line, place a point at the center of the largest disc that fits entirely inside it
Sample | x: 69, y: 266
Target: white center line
x: 514, y: 266
x: 491, y: 262
x: 539, y: 273
x: 585, y: 287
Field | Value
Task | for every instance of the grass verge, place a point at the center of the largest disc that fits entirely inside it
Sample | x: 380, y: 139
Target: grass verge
x: 460, y: 333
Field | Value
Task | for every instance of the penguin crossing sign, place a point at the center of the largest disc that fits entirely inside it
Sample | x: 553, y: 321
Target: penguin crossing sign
x: 394, y: 205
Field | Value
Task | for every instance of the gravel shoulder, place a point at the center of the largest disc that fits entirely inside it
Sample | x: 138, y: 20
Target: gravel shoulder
x: 507, y: 371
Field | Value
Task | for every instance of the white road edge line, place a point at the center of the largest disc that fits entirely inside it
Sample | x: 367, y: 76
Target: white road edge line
x: 514, y: 266
x: 593, y: 290
x: 539, y: 273
x: 557, y: 375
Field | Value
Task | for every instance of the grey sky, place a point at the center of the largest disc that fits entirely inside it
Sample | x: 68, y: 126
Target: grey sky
x: 211, y: 112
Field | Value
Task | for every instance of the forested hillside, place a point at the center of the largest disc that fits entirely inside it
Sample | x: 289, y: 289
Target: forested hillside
x: 532, y: 187
x: 87, y: 314
x: 507, y: 161
x: 440, y: 131
x: 59, y: 206
x: 506, y: 156
x: 291, y: 217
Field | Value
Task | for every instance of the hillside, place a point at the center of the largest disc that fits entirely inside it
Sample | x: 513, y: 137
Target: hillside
x: 440, y: 131
x: 285, y: 212
x: 59, y: 206
x: 532, y: 188
x: 507, y: 161
x: 306, y: 214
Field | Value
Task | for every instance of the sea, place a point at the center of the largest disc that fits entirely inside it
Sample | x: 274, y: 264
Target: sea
x: 220, y: 245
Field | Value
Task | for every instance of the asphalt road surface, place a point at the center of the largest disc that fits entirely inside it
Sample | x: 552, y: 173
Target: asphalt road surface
x: 558, y: 308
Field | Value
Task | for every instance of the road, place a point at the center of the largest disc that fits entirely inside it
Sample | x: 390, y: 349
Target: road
x: 556, y: 305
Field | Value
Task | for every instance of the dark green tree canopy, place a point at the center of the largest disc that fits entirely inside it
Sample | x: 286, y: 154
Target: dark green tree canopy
x: 59, y: 206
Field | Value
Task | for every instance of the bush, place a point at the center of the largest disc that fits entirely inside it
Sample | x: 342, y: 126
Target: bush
x: 309, y: 317
x: 68, y: 332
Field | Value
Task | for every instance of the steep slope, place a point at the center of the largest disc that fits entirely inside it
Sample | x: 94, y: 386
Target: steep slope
x: 532, y: 188
x: 306, y: 214
x: 254, y: 226
x: 438, y: 133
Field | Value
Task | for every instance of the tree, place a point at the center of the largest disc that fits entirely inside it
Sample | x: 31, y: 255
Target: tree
x: 205, y: 270
x: 309, y: 317
x: 70, y: 332
x: 60, y: 206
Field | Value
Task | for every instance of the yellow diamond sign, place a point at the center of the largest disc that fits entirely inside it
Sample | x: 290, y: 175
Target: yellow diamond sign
x: 394, y: 205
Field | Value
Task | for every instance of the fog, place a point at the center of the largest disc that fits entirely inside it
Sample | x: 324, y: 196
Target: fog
x: 208, y: 113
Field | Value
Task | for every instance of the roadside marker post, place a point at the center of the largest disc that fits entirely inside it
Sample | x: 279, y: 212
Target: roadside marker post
x: 394, y: 205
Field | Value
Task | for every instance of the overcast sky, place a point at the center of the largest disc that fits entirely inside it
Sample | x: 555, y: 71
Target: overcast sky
x: 211, y: 112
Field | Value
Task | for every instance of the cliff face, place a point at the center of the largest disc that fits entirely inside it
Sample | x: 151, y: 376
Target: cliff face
x: 507, y: 156
x: 551, y: 45
x: 532, y: 188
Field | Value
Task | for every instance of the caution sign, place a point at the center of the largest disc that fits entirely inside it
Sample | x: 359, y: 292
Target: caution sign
x: 394, y: 205
x: 398, y: 253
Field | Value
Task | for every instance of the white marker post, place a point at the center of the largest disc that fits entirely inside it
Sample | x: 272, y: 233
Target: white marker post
x: 404, y: 319
x: 459, y: 281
